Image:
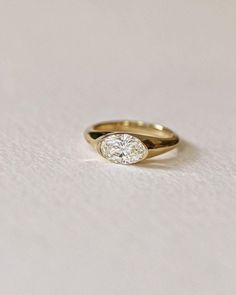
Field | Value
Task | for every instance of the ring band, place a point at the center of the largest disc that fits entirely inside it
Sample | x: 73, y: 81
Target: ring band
x: 129, y: 142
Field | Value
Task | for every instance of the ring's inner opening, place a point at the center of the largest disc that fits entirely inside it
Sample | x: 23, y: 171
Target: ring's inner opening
x: 137, y: 127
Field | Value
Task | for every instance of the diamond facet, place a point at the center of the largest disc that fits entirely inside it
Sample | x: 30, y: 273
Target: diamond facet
x: 123, y: 149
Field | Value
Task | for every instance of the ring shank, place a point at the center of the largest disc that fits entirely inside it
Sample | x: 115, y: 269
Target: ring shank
x: 157, y: 138
x: 138, y: 127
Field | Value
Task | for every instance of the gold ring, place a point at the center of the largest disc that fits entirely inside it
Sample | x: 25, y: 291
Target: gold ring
x: 129, y: 142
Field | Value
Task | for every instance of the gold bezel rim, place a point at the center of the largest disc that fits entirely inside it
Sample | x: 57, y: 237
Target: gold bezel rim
x: 101, y: 139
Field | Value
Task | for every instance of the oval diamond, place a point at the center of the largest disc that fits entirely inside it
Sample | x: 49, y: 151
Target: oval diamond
x: 123, y: 149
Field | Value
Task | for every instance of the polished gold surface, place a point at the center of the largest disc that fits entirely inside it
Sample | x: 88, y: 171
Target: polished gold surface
x: 158, y: 139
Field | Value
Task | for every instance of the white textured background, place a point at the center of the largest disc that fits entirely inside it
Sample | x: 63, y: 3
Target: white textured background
x: 72, y: 223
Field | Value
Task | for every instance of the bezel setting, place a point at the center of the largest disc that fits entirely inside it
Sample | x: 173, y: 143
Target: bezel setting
x: 122, y: 148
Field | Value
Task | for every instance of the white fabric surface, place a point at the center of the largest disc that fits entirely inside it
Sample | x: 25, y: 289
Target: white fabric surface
x: 72, y: 223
